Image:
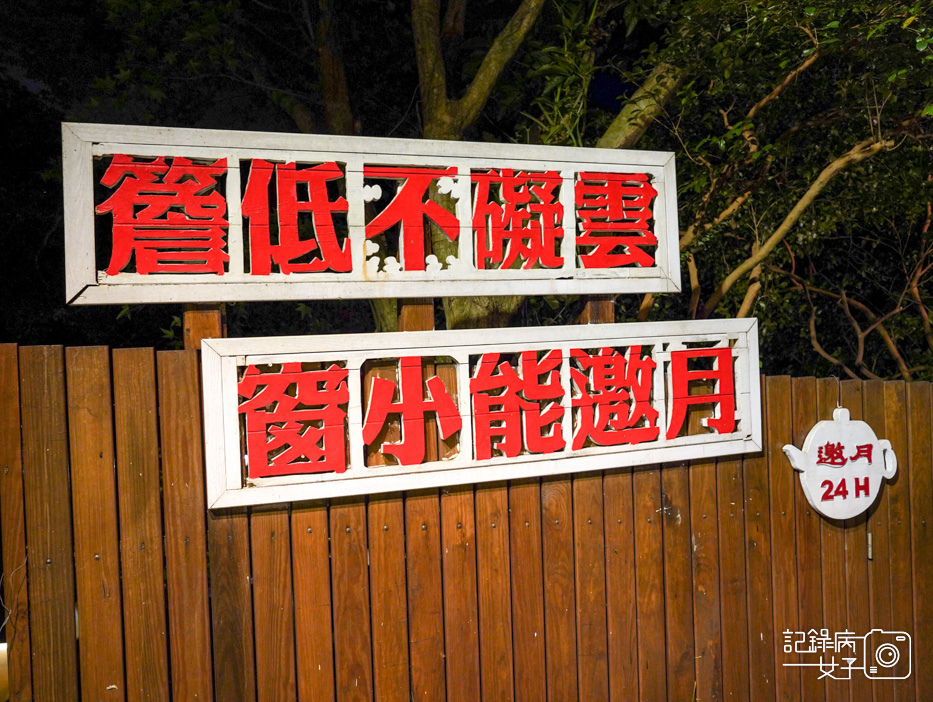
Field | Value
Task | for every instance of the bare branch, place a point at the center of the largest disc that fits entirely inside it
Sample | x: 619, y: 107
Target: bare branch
x: 425, y: 22
x: 754, y: 286
x: 642, y: 108
x: 337, y: 112
x: 694, y: 285
x: 861, y: 151
x: 647, y: 302
x: 780, y: 87
x: 467, y: 108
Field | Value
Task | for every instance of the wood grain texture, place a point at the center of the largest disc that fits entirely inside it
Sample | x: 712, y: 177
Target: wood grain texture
x: 202, y: 322
x: 51, y: 575
x: 494, y: 579
x: 314, y: 635
x: 559, y: 600
x: 94, y: 506
x: 461, y: 614
x: 353, y: 662
x: 783, y: 485
x: 185, y: 528
x: 273, y: 604
x: 678, y: 581
x: 649, y: 584
x: 621, y: 600
x: 897, y: 493
x: 13, y: 529
x: 809, y: 572
x: 590, y: 581
x: 388, y: 595
x: 140, y: 501
x: 857, y: 604
x: 879, y: 565
x: 833, y: 560
x: 425, y: 596
x: 733, y: 581
x: 921, y: 524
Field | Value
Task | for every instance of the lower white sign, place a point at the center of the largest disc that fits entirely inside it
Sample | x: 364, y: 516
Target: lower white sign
x: 300, y: 418
x: 842, y: 466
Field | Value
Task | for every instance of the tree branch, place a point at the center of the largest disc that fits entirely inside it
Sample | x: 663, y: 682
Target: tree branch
x: 337, y: 113
x: 642, y: 108
x: 425, y: 22
x: 467, y: 108
x: 861, y: 151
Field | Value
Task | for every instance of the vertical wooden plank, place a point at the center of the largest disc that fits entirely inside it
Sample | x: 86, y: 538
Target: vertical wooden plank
x: 13, y: 528
x: 897, y: 493
x: 314, y: 642
x: 649, y: 585
x: 425, y: 601
x: 94, y: 504
x: 527, y: 578
x: 856, y: 549
x: 782, y: 481
x: 809, y: 572
x: 678, y: 581
x: 921, y: 524
x: 832, y: 533
x: 203, y: 322
x: 879, y: 564
x: 761, y: 645
x: 732, y: 579
x: 559, y: 604
x: 461, y: 631
x: 185, y: 531
x: 140, y: 500
x: 273, y: 604
x: 493, y: 578
x: 387, y: 585
x: 350, y: 593
x: 590, y: 580
x: 228, y: 546
x: 621, y: 600
x: 51, y: 581
x: 707, y: 627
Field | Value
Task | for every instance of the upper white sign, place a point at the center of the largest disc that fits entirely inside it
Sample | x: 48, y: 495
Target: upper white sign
x: 186, y: 215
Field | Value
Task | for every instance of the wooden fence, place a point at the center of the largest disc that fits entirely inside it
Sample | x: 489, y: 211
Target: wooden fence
x: 673, y: 582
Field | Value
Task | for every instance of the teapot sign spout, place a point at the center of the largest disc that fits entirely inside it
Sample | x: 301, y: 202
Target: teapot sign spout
x: 798, y: 459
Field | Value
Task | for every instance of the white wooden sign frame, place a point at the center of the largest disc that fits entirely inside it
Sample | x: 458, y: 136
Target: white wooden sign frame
x: 82, y: 143
x: 222, y: 359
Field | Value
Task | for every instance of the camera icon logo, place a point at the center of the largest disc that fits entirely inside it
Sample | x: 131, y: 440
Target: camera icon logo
x: 887, y: 654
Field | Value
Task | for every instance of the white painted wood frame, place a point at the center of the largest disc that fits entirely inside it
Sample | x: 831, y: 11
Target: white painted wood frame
x: 225, y: 359
x: 85, y: 284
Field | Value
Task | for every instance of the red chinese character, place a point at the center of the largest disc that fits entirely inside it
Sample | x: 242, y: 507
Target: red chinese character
x: 862, y: 451
x: 681, y: 398
x: 409, y: 208
x: 171, y: 217
x: 332, y: 255
x: 609, y: 203
x: 283, y: 439
x: 412, y: 405
x: 613, y: 395
x: 831, y: 454
x: 524, y: 224
x: 512, y: 409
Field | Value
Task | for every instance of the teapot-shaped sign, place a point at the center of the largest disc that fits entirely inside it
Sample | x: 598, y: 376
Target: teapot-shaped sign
x: 842, y: 466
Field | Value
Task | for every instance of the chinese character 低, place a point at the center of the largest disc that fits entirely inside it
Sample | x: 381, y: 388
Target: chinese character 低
x: 613, y: 397
x: 410, y: 207
x: 614, y: 211
x: 721, y: 375
x: 525, y: 226
x: 329, y: 253
x: 520, y: 408
x: 412, y: 406
x: 171, y: 217
x: 283, y: 439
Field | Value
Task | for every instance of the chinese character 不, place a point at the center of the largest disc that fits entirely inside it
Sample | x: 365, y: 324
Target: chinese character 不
x: 332, y: 256
x: 525, y: 226
x: 170, y: 217
x: 613, y: 396
x: 514, y: 409
x: 614, y: 210
x: 412, y: 405
x: 282, y: 438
